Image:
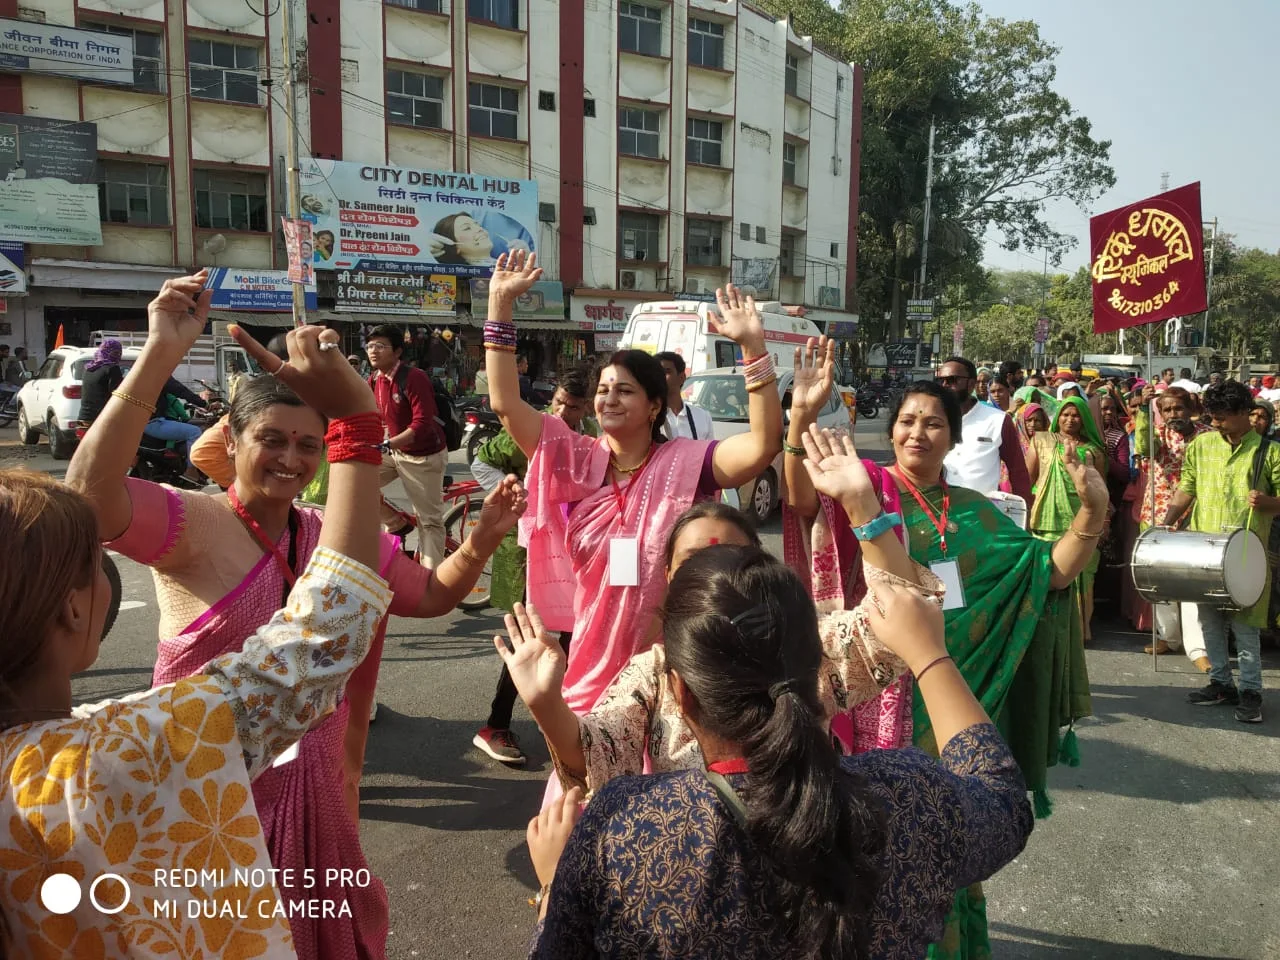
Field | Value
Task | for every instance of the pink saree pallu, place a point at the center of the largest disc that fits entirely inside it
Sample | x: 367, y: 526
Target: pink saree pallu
x: 574, y: 513
x: 307, y: 803
x: 828, y: 559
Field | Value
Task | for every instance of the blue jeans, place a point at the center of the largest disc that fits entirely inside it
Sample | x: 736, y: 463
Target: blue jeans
x: 162, y: 429
x: 1213, y: 623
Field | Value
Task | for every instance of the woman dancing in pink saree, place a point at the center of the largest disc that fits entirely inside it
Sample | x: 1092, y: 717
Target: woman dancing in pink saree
x: 223, y: 565
x: 600, y: 509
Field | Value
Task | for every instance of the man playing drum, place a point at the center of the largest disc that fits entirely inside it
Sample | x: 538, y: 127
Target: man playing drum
x: 1230, y: 480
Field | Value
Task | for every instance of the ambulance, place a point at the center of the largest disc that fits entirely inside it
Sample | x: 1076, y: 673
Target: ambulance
x: 681, y: 327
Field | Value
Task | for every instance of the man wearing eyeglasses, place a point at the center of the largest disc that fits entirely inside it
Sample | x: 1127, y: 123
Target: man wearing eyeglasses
x: 989, y: 438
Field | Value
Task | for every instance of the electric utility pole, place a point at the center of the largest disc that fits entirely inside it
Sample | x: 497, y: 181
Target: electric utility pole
x: 928, y: 212
x: 292, y: 185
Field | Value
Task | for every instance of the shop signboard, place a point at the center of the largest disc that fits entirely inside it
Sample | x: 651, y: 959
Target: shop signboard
x: 544, y: 301
x: 47, y: 193
x: 66, y: 52
x: 417, y: 294
x: 268, y: 291
x: 405, y: 220
x: 34, y: 148
x: 50, y: 211
x: 601, y: 316
x: 13, y: 273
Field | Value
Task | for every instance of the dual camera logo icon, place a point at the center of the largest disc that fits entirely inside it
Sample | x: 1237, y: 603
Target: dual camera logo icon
x: 61, y: 893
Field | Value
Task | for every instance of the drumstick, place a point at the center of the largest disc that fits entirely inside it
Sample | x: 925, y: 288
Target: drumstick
x: 1248, y: 525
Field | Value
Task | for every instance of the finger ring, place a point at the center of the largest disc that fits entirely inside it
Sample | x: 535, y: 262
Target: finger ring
x: 280, y: 369
x: 328, y: 346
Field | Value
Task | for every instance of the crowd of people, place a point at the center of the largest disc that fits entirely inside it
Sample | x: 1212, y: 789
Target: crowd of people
x: 831, y: 751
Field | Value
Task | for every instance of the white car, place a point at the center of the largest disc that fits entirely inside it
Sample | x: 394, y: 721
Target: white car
x: 49, y: 403
x: 722, y: 392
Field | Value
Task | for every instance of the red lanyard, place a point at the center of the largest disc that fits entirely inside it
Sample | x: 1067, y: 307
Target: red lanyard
x: 256, y: 529
x: 620, y: 495
x: 939, y: 522
x: 728, y: 766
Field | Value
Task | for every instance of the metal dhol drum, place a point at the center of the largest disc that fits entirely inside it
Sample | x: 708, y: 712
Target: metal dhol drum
x: 1224, y: 569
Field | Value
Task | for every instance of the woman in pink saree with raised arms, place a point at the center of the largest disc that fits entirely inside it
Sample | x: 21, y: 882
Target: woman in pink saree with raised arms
x: 600, y: 508
x: 222, y: 566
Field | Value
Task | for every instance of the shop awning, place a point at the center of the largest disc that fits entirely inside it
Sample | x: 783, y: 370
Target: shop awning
x: 565, y: 326
x: 252, y: 318
x: 373, y: 319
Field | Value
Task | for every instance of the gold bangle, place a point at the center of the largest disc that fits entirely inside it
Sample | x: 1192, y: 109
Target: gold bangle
x: 761, y: 384
x: 1085, y: 536
x: 470, y: 555
x: 792, y: 450
x: 129, y: 398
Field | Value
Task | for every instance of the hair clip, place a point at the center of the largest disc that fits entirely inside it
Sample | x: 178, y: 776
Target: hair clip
x: 753, y: 623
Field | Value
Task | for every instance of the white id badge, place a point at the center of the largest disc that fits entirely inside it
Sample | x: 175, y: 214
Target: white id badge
x: 948, y: 571
x: 624, y: 562
x: 288, y: 756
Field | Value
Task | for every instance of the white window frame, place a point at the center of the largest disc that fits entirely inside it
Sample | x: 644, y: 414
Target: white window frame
x: 133, y: 180
x: 414, y: 100
x: 635, y: 22
x: 792, y: 81
x: 474, y: 110
x: 640, y: 233
x: 790, y: 163
x: 704, y: 141
x: 502, y: 13
x: 632, y: 139
x: 427, y: 6
x: 224, y: 195
x: 710, y: 230
x: 706, y: 33
x: 143, y: 66
x: 237, y: 70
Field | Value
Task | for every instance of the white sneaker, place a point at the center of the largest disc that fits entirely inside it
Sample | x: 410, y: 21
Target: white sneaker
x: 373, y: 711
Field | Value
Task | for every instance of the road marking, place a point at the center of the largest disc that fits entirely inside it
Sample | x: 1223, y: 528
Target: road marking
x: 131, y: 605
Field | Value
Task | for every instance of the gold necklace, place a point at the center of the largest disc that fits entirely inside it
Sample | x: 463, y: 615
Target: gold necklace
x: 628, y: 471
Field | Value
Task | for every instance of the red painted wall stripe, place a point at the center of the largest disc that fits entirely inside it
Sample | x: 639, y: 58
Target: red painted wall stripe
x: 10, y: 83
x: 324, y: 60
x: 855, y: 188
x: 572, y: 91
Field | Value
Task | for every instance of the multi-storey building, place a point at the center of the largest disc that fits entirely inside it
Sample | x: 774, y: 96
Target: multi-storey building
x: 677, y: 144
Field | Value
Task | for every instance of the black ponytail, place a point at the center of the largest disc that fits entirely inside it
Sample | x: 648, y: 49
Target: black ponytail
x: 742, y: 632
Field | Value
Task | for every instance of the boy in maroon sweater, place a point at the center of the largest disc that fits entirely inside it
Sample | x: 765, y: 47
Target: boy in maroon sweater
x: 415, y: 435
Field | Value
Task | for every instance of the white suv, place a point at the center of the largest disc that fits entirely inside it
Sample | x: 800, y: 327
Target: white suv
x: 49, y: 403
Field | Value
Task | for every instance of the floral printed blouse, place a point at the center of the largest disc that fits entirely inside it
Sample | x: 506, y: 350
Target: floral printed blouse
x: 657, y: 867
x: 138, y: 790
x: 636, y: 727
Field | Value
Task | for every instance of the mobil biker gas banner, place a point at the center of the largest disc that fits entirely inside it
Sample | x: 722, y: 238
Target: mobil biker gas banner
x: 405, y: 220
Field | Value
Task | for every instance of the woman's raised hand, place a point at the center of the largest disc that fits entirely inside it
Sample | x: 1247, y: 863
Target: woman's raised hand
x: 739, y: 320
x: 837, y: 471
x: 322, y: 378
x: 514, y: 275
x: 814, y: 373
x: 177, y: 315
x: 535, y: 658
x: 1085, y: 476
x: 504, y: 505
x: 908, y: 624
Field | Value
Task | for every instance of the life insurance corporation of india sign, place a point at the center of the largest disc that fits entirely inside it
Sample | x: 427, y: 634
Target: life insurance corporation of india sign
x: 1148, y: 261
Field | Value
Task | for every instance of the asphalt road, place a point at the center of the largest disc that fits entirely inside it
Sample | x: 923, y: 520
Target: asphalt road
x: 1164, y: 843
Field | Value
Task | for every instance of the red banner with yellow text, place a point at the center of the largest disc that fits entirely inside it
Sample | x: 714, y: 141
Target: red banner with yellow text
x: 1147, y: 261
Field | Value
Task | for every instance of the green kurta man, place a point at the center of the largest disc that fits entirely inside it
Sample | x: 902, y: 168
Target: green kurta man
x: 495, y: 459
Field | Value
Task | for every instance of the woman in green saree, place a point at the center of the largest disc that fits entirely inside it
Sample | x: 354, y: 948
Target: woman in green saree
x: 1057, y: 501
x: 1010, y: 611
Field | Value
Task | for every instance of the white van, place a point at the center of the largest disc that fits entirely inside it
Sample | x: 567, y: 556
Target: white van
x: 680, y: 326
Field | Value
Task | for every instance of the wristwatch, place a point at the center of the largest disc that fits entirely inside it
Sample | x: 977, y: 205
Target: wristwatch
x: 877, y: 525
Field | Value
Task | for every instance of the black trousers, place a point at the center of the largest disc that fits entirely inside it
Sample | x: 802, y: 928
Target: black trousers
x: 504, y: 699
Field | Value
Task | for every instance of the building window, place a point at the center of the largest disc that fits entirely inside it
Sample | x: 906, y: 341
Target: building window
x: 638, y: 132
x: 761, y: 236
x: 416, y: 99
x: 227, y: 200
x: 787, y: 255
x: 494, y: 111
x: 789, y: 163
x: 706, y: 43
x: 835, y: 251
x: 744, y: 231
x: 702, y: 243
x: 640, y: 29
x: 638, y: 235
x: 503, y: 13
x: 705, y: 141
x: 223, y: 71
x: 429, y: 6
x: 793, y: 75
x: 136, y: 193
x: 148, y: 56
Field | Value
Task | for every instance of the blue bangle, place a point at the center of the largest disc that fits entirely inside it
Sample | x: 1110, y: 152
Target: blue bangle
x: 877, y: 526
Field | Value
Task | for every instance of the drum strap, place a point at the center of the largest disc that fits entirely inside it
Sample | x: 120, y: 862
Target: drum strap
x: 1259, y: 461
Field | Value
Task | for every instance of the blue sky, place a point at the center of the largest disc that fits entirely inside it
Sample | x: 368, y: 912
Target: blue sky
x: 1183, y: 87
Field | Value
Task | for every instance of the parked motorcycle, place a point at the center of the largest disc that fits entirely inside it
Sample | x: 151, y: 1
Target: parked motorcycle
x: 868, y: 403
x: 8, y: 404
x: 481, y: 424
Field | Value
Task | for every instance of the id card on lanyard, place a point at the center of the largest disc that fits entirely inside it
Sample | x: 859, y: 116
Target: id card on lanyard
x: 948, y: 571
x: 624, y: 552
